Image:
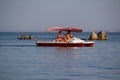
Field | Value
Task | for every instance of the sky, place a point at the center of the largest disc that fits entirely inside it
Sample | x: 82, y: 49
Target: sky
x: 38, y: 15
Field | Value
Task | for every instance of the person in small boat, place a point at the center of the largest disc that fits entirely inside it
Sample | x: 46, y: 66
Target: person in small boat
x: 59, y: 37
x: 22, y: 36
x: 68, y: 36
x: 30, y: 37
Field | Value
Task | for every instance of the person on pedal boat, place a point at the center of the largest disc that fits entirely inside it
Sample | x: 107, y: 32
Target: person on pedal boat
x: 60, y: 37
x: 68, y: 36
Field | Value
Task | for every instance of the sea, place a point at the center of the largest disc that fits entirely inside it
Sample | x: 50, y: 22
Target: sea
x: 23, y: 60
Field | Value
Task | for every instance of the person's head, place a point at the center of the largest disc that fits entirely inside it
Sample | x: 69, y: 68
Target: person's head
x: 68, y: 32
x: 60, y: 32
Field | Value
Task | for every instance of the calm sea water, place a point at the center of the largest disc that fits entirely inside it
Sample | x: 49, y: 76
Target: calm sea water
x: 22, y: 60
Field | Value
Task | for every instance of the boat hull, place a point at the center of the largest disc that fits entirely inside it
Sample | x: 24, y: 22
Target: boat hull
x: 86, y: 44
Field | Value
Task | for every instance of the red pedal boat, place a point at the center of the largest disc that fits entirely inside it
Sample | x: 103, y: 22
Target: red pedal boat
x: 73, y: 42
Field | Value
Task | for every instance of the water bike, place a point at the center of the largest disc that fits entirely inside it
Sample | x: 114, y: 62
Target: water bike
x: 73, y: 42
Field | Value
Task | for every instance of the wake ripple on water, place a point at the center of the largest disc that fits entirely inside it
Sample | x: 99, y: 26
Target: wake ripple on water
x: 17, y: 45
